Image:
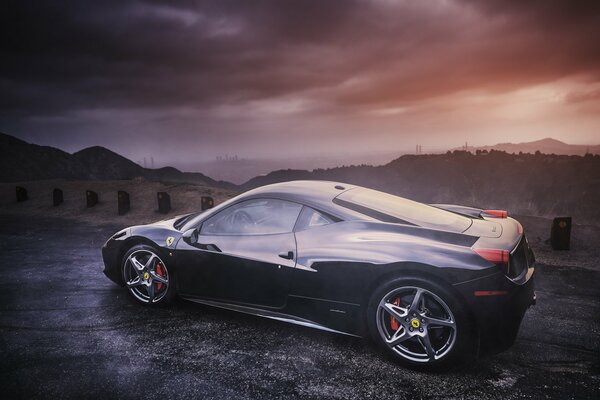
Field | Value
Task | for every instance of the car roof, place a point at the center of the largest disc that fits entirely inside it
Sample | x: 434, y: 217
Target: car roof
x: 321, y: 189
x: 316, y: 193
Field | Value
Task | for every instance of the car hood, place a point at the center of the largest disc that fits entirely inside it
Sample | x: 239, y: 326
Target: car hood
x: 164, y: 223
x: 163, y: 233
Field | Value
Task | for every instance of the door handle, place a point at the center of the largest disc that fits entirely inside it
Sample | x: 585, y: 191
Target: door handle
x: 289, y: 255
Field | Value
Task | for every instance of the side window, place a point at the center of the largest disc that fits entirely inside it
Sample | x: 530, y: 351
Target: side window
x: 310, y: 218
x: 254, y: 217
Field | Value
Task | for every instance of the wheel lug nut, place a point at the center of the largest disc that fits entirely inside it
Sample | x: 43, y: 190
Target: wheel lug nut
x: 420, y: 329
x: 406, y: 320
x: 411, y: 329
x: 422, y: 321
x: 414, y: 314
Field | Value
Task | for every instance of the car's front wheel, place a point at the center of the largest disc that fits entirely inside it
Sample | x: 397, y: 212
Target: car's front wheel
x: 146, y: 276
x: 420, y: 323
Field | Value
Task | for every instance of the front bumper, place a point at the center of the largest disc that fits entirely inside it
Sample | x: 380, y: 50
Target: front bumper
x: 110, y: 256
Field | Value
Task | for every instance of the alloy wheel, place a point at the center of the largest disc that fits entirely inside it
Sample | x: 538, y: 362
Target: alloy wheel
x: 416, y: 324
x: 146, y: 276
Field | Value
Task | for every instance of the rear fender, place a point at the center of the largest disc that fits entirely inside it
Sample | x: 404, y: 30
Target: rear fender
x: 447, y: 277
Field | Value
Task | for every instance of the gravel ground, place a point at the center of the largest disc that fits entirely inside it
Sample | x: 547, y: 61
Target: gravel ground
x: 68, y: 332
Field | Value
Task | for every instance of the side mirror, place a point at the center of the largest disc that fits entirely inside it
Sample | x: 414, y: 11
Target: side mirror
x: 191, y: 236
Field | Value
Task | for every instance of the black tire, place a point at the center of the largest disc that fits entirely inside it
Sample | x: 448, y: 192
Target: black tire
x: 406, y: 352
x: 148, y: 290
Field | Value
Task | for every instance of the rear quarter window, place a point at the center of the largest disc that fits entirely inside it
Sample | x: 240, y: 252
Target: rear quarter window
x: 311, y: 218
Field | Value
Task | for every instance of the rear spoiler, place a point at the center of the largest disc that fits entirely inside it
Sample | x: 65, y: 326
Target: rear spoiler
x: 472, y: 212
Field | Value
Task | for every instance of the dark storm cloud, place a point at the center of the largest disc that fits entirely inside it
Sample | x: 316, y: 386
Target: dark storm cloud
x: 152, y: 54
x: 64, y: 56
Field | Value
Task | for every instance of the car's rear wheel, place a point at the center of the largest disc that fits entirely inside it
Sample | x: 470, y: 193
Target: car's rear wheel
x: 420, y: 324
x: 146, y: 276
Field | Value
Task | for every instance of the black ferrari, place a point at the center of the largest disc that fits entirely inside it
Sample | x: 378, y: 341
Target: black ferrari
x: 431, y: 284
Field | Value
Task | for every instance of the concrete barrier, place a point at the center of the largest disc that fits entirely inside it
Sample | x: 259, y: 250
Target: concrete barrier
x: 206, y: 202
x: 21, y: 194
x: 123, y: 202
x: 164, y: 202
x: 560, y: 234
x: 57, y: 197
x: 91, y: 198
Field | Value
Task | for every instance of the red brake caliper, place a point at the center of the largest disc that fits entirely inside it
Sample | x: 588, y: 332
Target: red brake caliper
x: 393, y: 323
x: 161, y: 272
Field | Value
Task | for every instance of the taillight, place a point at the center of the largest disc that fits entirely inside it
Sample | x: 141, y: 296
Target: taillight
x: 496, y: 256
x: 496, y: 213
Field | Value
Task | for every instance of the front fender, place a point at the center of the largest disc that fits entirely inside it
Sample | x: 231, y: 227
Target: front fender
x: 161, y: 238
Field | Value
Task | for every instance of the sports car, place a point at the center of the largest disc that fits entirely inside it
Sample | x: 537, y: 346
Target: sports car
x: 432, y: 285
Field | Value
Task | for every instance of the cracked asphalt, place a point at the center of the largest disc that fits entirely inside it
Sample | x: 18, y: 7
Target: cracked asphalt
x: 69, y: 332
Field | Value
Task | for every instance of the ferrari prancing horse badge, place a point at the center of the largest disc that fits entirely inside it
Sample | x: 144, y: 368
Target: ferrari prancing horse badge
x: 170, y: 240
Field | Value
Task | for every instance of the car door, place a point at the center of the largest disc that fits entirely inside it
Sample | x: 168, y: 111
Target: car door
x: 243, y: 254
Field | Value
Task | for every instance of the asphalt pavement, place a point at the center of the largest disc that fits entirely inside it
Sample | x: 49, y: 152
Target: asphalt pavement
x: 68, y: 332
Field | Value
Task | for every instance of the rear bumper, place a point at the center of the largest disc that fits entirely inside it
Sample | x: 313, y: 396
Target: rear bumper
x: 498, y: 305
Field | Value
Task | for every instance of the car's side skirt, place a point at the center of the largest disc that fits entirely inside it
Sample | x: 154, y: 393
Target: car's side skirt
x: 267, y: 314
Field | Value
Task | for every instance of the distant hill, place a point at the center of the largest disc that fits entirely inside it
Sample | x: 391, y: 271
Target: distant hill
x: 22, y: 161
x: 546, y: 146
x: 528, y: 184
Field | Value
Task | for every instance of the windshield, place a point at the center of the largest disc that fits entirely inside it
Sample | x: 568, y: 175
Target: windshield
x: 403, y: 209
x: 181, y: 221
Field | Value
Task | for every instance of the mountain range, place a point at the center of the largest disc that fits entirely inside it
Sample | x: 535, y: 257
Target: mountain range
x: 22, y: 161
x: 546, y: 146
x: 527, y: 184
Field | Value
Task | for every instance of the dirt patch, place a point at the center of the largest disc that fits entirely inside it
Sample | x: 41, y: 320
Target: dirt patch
x: 185, y: 198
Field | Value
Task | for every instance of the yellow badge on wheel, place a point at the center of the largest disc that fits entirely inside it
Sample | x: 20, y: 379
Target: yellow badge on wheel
x: 146, y: 276
x: 415, y: 323
x: 170, y: 240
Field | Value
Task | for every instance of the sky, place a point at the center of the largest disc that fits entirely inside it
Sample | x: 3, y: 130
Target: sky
x: 184, y: 81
